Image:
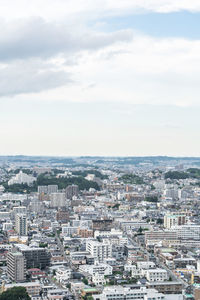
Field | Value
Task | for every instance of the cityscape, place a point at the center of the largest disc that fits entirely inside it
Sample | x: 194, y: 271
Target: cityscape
x: 101, y: 228
x: 99, y: 150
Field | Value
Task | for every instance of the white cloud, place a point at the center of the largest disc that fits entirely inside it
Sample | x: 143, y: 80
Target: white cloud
x: 121, y: 66
x: 88, y: 9
x: 144, y: 71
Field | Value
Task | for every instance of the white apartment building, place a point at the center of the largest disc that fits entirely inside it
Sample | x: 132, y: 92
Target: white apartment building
x: 7, y: 226
x: 98, y: 268
x: 104, y: 233
x: 187, y: 232
x: 21, y: 178
x: 145, y: 265
x: 160, y: 235
x: 63, y: 274
x: 98, y: 279
x: 116, y: 240
x: 135, y: 225
x: 126, y: 293
x: 99, y: 250
x: 21, y: 224
x: 138, y: 269
x: 69, y: 230
x: 19, y: 210
x: 156, y: 275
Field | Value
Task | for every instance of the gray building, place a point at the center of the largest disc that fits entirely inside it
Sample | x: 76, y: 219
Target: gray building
x: 16, y: 266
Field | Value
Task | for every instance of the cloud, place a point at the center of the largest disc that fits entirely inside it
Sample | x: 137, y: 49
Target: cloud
x: 30, y: 77
x: 145, y: 71
x: 38, y: 38
x: 90, y: 9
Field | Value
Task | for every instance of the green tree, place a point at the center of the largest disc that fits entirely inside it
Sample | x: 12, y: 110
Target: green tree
x: 15, y: 293
x: 85, y: 281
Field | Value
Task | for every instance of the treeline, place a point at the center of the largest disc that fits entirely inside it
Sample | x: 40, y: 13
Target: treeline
x: 176, y: 175
x: 86, y: 172
x: 131, y: 179
x: 190, y: 173
x: 45, y: 179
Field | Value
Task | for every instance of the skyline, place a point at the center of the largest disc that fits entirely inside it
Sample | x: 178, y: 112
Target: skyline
x: 99, y: 78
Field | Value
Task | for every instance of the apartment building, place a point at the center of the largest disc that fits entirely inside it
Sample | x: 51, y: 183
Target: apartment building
x: 21, y: 224
x: 16, y: 266
x: 99, y: 250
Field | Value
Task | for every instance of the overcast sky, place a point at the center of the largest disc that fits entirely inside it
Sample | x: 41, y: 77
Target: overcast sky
x: 100, y: 77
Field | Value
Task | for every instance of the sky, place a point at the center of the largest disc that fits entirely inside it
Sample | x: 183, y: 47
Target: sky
x: 100, y: 77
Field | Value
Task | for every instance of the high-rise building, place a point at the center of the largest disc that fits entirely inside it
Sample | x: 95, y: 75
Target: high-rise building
x: 21, y: 224
x: 42, y: 189
x: 16, y: 266
x: 71, y: 191
x: 47, y: 189
x: 171, y: 220
x: 100, y: 251
x: 57, y: 200
x: 53, y: 188
x: 35, y: 257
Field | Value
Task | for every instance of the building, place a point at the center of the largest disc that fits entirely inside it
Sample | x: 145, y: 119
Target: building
x: 69, y: 230
x: 62, y: 215
x: 36, y: 206
x: 32, y: 288
x: 100, y: 251
x: 102, y: 224
x: 35, y: 257
x: 57, y: 200
x: 47, y: 189
x: 101, y: 269
x: 166, y: 287
x: 85, y: 232
x: 21, y: 224
x: 160, y: 235
x: 52, y: 188
x: 174, y: 220
x: 19, y: 210
x: 42, y: 189
x: 187, y: 232
x: 127, y: 293
x: 63, y: 274
x: 22, y: 178
x: 156, y: 275
x: 71, y: 191
x: 16, y: 266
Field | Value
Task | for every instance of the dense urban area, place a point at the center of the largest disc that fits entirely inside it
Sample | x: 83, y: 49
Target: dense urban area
x: 102, y: 228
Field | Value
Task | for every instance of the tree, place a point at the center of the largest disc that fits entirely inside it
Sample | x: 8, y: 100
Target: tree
x: 15, y: 293
x: 85, y: 281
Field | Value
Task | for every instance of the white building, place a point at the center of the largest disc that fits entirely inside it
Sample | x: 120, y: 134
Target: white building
x: 98, y: 279
x: 104, y: 233
x: 63, y: 274
x: 21, y: 224
x: 138, y: 269
x: 19, y: 210
x: 126, y: 293
x: 57, y: 200
x: 69, y: 230
x: 7, y: 226
x: 156, y: 275
x: 187, y: 232
x: 98, y: 268
x: 22, y: 178
x: 99, y: 250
